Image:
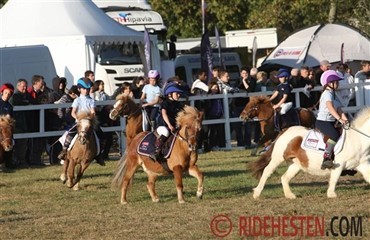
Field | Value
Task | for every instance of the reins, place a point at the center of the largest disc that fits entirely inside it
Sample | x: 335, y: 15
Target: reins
x: 347, y: 126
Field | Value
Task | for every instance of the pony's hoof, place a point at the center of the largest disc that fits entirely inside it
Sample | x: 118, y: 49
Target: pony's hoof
x: 332, y: 195
x: 181, y: 201
x: 290, y: 196
x: 63, y: 178
x: 69, y: 184
x: 255, y: 194
x: 200, y: 195
x: 155, y: 200
x: 123, y: 202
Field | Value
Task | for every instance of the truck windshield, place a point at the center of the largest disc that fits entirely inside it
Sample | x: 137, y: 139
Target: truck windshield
x: 119, y: 54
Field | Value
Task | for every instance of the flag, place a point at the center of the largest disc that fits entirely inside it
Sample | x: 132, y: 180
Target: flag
x: 147, y: 50
x: 342, y: 53
x: 206, y: 56
x: 254, y: 48
x: 218, y: 41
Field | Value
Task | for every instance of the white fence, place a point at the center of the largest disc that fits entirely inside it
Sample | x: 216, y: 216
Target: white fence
x: 226, y: 120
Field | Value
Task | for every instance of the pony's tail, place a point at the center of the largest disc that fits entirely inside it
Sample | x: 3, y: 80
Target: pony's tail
x: 120, y: 172
x: 258, y: 166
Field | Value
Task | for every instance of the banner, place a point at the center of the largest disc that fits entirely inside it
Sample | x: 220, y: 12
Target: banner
x: 218, y: 41
x: 206, y: 54
x: 254, y: 51
x: 147, y: 50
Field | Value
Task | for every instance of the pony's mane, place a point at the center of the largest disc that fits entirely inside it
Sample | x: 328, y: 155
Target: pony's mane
x: 187, y: 115
x: 258, y: 99
x: 87, y: 115
x: 6, y: 120
x: 361, y: 117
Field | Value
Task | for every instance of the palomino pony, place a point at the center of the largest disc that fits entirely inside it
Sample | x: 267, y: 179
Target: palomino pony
x: 82, y: 152
x: 355, y: 154
x: 261, y: 107
x: 183, y: 158
x: 125, y: 106
x: 6, y: 135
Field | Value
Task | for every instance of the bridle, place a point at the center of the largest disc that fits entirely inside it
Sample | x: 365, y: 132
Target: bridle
x: 255, y: 108
x: 124, y: 110
x: 187, y: 138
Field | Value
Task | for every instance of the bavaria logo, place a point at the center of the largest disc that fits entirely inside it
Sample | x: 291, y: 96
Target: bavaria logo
x: 124, y: 16
x: 279, y: 52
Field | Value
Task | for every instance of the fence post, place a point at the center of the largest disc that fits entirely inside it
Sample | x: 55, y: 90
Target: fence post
x: 227, y: 122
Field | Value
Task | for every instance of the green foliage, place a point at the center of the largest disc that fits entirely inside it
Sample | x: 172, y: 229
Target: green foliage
x: 184, y: 18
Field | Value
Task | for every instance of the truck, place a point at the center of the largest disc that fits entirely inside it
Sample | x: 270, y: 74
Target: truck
x: 188, y: 65
x: 137, y: 15
x: 24, y: 62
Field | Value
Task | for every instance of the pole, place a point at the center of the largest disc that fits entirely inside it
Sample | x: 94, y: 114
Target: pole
x: 203, y: 7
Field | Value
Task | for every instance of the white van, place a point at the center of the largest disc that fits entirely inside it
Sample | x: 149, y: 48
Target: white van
x: 24, y: 62
x: 188, y: 65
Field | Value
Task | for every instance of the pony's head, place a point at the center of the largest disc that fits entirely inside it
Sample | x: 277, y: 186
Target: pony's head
x: 85, y: 126
x: 253, y: 107
x: 190, y: 122
x: 124, y: 106
x: 362, y: 120
x: 6, y: 132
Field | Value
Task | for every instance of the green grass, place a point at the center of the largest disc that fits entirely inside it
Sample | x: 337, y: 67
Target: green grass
x: 34, y: 204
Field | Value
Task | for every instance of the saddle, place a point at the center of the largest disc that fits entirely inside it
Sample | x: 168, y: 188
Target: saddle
x: 291, y: 118
x: 62, y: 139
x: 146, y: 146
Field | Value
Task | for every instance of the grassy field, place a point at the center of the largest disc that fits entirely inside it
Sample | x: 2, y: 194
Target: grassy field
x: 34, y: 204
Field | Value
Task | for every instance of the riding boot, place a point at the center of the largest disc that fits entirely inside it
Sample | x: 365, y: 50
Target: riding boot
x: 62, y: 155
x: 328, y: 161
x: 158, y: 147
x: 277, y: 122
x: 100, y: 157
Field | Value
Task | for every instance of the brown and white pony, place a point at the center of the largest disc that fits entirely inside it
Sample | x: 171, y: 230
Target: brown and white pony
x: 6, y: 135
x: 183, y: 158
x: 125, y: 106
x: 83, y: 151
x: 261, y: 107
x: 355, y: 154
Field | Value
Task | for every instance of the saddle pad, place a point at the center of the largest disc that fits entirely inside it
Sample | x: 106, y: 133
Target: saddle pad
x: 147, y: 145
x: 314, y: 140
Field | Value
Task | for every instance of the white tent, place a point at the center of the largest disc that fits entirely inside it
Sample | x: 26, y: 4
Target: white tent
x: 72, y: 29
x: 311, y: 45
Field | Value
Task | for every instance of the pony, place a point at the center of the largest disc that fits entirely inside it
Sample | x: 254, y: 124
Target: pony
x: 355, y: 155
x: 82, y: 152
x: 183, y: 158
x: 125, y: 106
x: 261, y: 107
x: 6, y: 135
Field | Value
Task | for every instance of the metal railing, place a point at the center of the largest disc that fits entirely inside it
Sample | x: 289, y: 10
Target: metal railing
x: 226, y: 120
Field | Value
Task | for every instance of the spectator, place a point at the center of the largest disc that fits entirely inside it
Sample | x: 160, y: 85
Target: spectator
x: 90, y: 75
x: 98, y: 90
x: 64, y: 114
x: 200, y: 88
x: 59, y: 86
x: 306, y: 99
x: 150, y: 97
x: 242, y: 130
x: 6, y: 108
x: 215, y: 110
x: 37, y: 144
x: 324, y: 66
x: 261, y: 81
x: 223, y: 83
x: 137, y: 87
x: 346, y: 96
x: 21, y: 98
x: 360, y: 77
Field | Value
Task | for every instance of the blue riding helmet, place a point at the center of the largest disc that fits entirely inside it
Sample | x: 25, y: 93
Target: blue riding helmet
x: 83, y: 83
x: 171, y: 88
